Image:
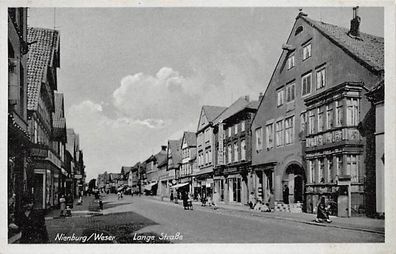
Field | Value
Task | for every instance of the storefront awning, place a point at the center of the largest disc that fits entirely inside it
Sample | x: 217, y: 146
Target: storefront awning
x: 179, y: 185
x: 149, y: 186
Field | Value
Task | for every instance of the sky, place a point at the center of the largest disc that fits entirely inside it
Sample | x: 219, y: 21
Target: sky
x: 133, y: 78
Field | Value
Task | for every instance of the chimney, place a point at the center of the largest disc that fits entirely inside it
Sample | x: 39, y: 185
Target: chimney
x: 355, y: 23
x: 260, y: 96
x: 163, y: 148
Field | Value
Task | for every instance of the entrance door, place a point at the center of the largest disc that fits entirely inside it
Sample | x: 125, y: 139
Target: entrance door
x: 298, y: 188
x: 38, y: 191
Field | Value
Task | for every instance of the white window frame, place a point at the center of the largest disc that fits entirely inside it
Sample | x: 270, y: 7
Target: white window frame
x: 306, y: 77
x: 321, y: 120
x: 236, y: 155
x: 269, y: 135
x: 352, y: 111
x: 329, y: 117
x: 242, y: 125
x: 291, y: 61
x: 236, y: 129
x: 280, y: 97
x: 291, y: 87
x: 279, y: 132
x: 320, y: 78
x: 307, y: 50
x: 311, y: 122
x: 289, y: 130
x: 352, y: 167
x: 339, y: 114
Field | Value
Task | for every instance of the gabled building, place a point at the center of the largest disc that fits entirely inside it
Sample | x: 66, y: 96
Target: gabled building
x: 233, y: 156
x: 152, y: 170
x: 188, y: 148
x: 203, y: 178
x: 306, y: 140
x: 133, y: 178
x: 43, y: 61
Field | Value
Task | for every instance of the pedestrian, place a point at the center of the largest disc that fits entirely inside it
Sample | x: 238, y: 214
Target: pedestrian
x: 100, y: 204
x: 286, y: 194
x: 322, y: 214
x: 185, y: 200
x: 171, y: 196
x: 251, y: 200
x: 31, y: 223
x: 118, y: 195
x: 215, y: 199
x: 271, y: 200
x: 62, y: 202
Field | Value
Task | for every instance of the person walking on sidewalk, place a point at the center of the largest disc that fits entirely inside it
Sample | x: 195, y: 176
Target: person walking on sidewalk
x: 286, y: 194
x: 62, y: 202
x: 32, y: 223
x: 252, y: 202
x: 322, y: 214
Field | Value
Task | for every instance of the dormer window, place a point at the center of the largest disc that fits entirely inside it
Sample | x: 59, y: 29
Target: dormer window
x: 298, y: 30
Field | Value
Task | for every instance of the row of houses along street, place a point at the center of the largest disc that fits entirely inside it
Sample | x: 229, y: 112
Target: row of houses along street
x: 317, y: 130
x: 45, y: 160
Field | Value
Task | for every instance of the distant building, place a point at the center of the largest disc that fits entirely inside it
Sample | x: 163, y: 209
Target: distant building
x: 188, y: 151
x: 152, y: 170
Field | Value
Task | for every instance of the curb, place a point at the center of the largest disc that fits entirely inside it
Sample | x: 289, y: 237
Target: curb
x: 294, y: 220
x: 77, y: 216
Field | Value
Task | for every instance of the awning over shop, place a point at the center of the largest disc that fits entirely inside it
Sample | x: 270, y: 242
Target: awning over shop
x: 149, y: 186
x: 179, y: 185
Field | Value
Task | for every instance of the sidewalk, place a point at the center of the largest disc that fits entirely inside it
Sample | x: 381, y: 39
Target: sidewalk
x: 88, y: 207
x: 353, y: 223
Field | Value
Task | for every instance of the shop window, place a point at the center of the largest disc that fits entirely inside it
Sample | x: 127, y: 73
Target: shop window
x: 352, y: 168
x: 279, y: 133
x: 306, y: 82
x: 289, y: 130
x: 269, y: 135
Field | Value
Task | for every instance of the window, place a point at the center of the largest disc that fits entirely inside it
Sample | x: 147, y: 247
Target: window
x: 289, y: 130
x: 339, y: 165
x: 303, y: 121
x: 243, y: 126
x: 243, y: 150
x: 320, y: 119
x: 307, y: 51
x: 352, y: 112
x: 311, y: 124
x: 290, y: 61
x: 269, y: 135
x: 306, y: 82
x: 236, y: 152
x: 299, y: 30
x: 352, y: 168
x: 329, y: 117
x: 259, y: 143
x: 281, y: 97
x: 36, y: 140
x: 311, y: 167
x: 229, y: 154
x: 321, y: 170
x: 290, y: 94
x: 229, y: 131
x: 330, y: 169
x: 320, y: 78
x: 209, y: 156
x: 279, y: 133
x: 236, y: 129
x: 338, y: 113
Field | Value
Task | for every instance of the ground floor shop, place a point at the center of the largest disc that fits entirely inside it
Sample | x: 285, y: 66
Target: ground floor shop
x: 202, y: 186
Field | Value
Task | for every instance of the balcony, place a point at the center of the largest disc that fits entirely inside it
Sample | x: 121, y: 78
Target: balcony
x: 343, y: 135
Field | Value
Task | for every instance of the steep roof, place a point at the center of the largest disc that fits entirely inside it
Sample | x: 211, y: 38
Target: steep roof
x: 191, y: 138
x: 40, y: 57
x: 125, y: 169
x: 236, y: 107
x: 212, y: 112
x: 369, y: 49
x: 175, y: 147
x: 161, y: 158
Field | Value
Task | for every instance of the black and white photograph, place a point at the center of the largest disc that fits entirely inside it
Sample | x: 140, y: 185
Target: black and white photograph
x: 164, y: 124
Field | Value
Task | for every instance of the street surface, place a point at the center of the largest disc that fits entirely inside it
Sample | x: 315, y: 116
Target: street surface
x: 142, y: 219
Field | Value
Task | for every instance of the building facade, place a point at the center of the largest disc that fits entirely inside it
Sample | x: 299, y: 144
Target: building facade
x: 43, y: 61
x: 188, y: 163
x: 233, y: 152
x: 203, y: 179
x: 19, y: 175
x: 305, y: 133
